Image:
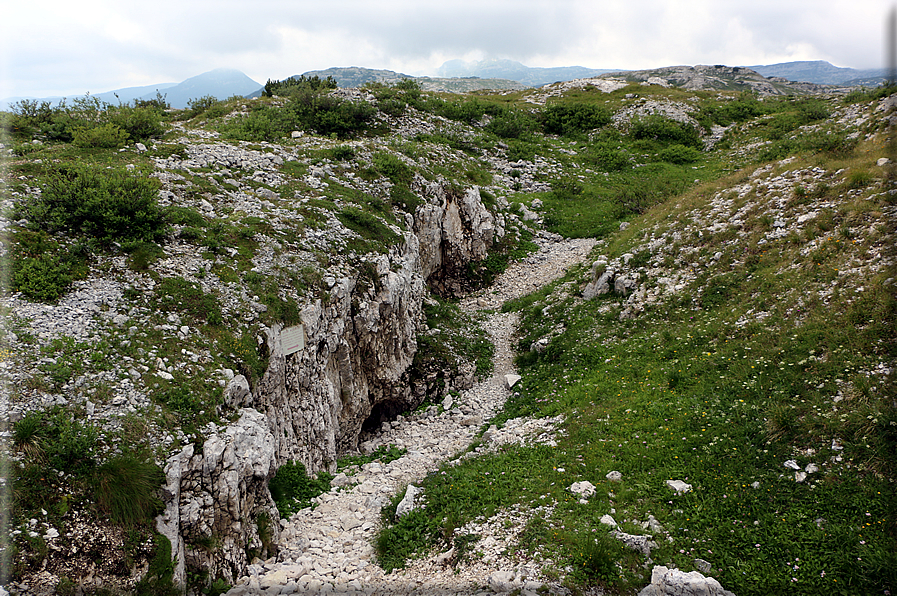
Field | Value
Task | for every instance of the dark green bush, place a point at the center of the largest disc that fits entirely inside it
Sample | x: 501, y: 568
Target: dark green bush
x: 394, y: 99
x: 197, y: 106
x: 332, y: 116
x: 870, y: 93
x: 159, y: 103
x: 521, y: 151
x: 368, y: 227
x: 140, y: 123
x: 158, y: 578
x: 293, y: 85
x: 745, y: 107
x: 41, y: 269
x: 104, y: 136
x: 307, y: 110
x: 66, y: 445
x: 567, y: 119
x: 511, y: 125
x: 341, y: 153
x: 649, y: 186
x: 108, y: 205
x: 607, y: 155
x: 44, y: 278
x: 258, y: 125
x: 467, y: 110
x: 292, y: 488
x: 393, y: 168
x: 402, y: 197
x: 679, y: 154
x: 665, y: 131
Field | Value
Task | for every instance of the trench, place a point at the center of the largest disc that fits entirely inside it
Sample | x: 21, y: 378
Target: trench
x: 329, y: 548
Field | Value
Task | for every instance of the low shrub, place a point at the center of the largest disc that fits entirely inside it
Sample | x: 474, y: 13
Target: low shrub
x: 402, y: 197
x: 679, y: 154
x: 107, y: 205
x: 104, y: 136
x: 567, y: 119
x: 293, y: 85
x: 341, y: 153
x: 54, y: 437
x: 608, y: 155
x: 393, y: 168
x: 197, y: 106
x: 292, y: 488
x: 139, y: 123
x: 665, y: 131
x: 44, y: 278
x: 511, y: 125
x: 369, y: 227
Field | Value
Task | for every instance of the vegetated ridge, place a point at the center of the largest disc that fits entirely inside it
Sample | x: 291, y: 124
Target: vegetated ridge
x: 155, y: 259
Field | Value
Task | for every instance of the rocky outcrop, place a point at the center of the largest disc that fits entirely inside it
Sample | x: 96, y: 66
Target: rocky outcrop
x: 454, y: 229
x: 218, y: 508
x: 311, y: 405
x: 360, y: 343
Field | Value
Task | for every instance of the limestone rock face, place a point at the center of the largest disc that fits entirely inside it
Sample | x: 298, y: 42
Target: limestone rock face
x: 359, y: 346
x: 453, y: 230
x: 215, y: 498
x: 310, y: 405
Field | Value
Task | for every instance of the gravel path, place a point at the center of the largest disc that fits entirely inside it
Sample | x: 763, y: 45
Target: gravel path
x: 329, y: 549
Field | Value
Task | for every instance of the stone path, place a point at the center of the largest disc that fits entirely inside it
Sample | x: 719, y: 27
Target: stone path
x: 329, y: 549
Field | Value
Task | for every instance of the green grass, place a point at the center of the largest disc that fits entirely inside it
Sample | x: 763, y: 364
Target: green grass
x: 699, y: 388
x: 383, y: 454
x: 188, y: 298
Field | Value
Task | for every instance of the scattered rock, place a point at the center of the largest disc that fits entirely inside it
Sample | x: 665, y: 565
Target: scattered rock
x: 679, y: 486
x: 408, y: 503
x: 614, y: 476
x: 672, y: 582
x: 584, y: 489
x: 504, y: 581
x: 608, y: 521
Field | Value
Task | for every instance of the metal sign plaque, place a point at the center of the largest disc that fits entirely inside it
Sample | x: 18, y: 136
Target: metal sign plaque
x: 292, y: 339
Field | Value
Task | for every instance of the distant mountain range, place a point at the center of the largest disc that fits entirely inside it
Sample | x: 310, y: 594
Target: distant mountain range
x: 355, y: 76
x: 220, y: 83
x: 453, y: 76
x: 515, y: 71
x: 822, y: 72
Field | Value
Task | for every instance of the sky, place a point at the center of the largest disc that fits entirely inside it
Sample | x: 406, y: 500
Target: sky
x: 67, y: 48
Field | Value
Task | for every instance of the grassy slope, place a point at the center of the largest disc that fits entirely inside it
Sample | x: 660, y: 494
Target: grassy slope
x: 777, y: 351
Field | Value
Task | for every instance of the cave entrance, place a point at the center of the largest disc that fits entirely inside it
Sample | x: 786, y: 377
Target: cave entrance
x: 382, y: 412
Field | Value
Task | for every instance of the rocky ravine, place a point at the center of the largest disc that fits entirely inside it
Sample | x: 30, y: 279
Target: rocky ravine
x: 328, y: 548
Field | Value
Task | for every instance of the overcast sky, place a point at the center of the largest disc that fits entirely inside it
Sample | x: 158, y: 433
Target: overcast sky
x: 71, y: 47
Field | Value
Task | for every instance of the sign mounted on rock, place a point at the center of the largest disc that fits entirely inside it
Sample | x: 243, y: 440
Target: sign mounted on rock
x: 292, y: 339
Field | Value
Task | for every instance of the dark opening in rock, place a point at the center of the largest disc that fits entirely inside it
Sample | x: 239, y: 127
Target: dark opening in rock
x: 382, y: 412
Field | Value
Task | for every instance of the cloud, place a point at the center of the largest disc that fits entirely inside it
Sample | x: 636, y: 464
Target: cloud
x: 70, y: 47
